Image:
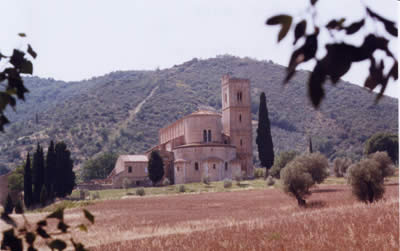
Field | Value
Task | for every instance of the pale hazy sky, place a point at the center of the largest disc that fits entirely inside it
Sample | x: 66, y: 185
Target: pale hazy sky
x: 80, y: 39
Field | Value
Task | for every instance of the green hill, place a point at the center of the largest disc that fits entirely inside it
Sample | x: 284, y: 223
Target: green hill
x: 102, y: 114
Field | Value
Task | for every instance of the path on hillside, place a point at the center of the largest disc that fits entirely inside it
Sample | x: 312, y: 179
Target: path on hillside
x: 124, y: 124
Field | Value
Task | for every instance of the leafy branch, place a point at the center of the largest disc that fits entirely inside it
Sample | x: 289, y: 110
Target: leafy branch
x: 340, y: 55
x: 13, y: 238
x: 10, y: 77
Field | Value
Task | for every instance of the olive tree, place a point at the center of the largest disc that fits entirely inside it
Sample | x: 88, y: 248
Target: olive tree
x: 367, y: 176
x: 281, y: 161
x: 340, y: 166
x: 302, y: 173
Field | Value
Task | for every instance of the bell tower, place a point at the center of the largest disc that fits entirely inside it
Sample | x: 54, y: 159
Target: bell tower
x: 236, y: 119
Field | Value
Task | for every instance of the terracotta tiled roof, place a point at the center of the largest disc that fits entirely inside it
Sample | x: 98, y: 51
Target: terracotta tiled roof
x: 134, y: 158
x: 205, y: 112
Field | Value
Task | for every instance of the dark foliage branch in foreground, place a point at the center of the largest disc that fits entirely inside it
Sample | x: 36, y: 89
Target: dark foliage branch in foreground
x: 15, y: 237
x: 340, y: 55
x: 12, y: 85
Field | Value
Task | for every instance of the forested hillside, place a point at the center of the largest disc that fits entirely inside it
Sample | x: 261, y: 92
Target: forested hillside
x: 98, y: 115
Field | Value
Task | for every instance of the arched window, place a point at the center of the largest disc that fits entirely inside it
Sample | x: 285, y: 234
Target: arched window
x: 214, y: 166
x: 240, y: 117
x: 238, y: 96
x: 241, y: 142
x: 226, y: 166
x: 226, y: 98
x: 196, y: 166
x: 205, y: 135
x: 209, y: 135
x: 129, y: 169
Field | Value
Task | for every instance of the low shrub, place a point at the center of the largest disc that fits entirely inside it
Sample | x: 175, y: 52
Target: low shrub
x: 166, y: 182
x: 140, y: 191
x: 205, y: 179
x: 259, y: 172
x: 238, y: 177
x: 83, y: 193
x: 95, y: 195
x: 181, y: 188
x: 227, y: 183
x: 270, y: 181
x: 340, y: 166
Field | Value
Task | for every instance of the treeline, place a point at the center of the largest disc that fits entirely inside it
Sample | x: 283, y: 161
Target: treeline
x: 44, y: 179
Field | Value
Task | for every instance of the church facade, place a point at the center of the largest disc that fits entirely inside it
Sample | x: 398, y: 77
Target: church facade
x: 204, y: 143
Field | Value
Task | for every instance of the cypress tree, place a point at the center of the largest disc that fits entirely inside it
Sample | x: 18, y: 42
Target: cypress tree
x: 37, y: 173
x: 28, y: 183
x: 8, y: 206
x: 264, y: 137
x: 310, y: 146
x: 64, y: 175
x: 155, y: 167
x: 43, y: 196
x: 49, y: 178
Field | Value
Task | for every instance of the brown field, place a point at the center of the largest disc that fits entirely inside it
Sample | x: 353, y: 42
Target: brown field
x: 243, y: 220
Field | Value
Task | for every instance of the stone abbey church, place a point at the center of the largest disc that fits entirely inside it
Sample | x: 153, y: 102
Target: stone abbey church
x: 204, y: 143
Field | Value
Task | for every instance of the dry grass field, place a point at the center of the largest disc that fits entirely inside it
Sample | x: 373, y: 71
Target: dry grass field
x: 261, y: 219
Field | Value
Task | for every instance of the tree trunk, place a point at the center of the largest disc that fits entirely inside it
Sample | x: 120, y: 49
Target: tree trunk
x: 266, y: 173
x: 370, y: 193
x: 300, y: 200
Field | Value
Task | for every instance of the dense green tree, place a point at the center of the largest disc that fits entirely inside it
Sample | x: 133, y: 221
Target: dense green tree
x: 16, y: 179
x: 264, y: 138
x: 38, y: 173
x: 28, y: 183
x: 302, y: 173
x: 50, y: 176
x: 155, y: 167
x: 388, y: 142
x: 64, y: 174
x: 8, y: 205
x: 310, y: 149
x: 100, y: 167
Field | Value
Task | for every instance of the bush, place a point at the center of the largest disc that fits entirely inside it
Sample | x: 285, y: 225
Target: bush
x: 340, y: 166
x: 126, y: 183
x: 238, y: 177
x: 280, y: 162
x: 367, y: 177
x: 227, y: 183
x: 205, y: 179
x: 387, y: 142
x: 140, y: 191
x: 83, y: 193
x: 259, y: 172
x: 270, y: 181
x: 302, y: 173
x: 385, y: 163
x: 366, y: 180
x: 181, y: 188
x: 166, y: 182
x: 95, y: 195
